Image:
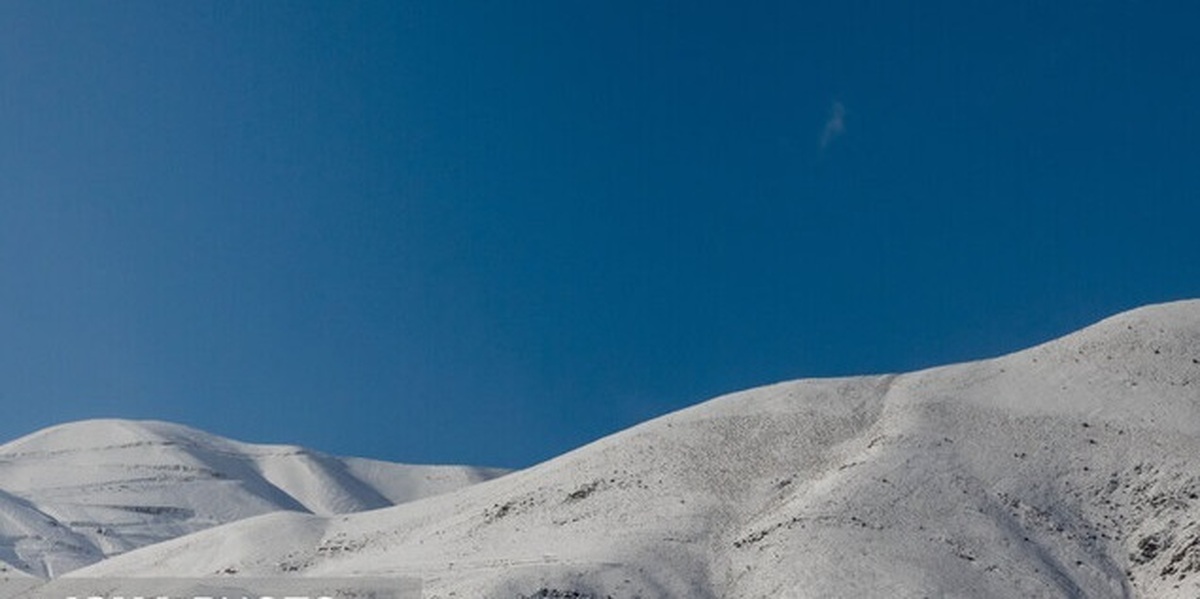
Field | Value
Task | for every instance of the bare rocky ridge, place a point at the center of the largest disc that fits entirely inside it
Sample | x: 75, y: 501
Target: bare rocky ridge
x: 1066, y: 470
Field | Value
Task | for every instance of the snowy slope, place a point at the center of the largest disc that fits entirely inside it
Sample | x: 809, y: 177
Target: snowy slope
x: 1066, y: 470
x: 74, y: 494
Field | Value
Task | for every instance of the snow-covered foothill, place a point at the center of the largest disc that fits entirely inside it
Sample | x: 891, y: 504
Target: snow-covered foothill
x: 77, y: 493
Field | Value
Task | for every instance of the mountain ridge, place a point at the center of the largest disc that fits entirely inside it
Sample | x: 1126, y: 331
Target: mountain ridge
x: 1045, y: 472
x: 1062, y: 470
x: 80, y: 492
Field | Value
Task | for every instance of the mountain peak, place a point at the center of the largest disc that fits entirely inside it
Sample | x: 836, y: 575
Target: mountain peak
x: 106, y: 433
x: 1174, y: 319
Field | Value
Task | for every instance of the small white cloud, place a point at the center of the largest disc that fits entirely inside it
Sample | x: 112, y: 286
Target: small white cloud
x: 835, y: 126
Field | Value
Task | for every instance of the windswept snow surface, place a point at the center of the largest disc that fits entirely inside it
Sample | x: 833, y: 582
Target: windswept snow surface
x: 75, y: 494
x: 1066, y: 470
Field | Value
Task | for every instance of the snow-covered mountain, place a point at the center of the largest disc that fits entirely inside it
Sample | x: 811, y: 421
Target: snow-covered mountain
x: 75, y: 494
x: 1066, y: 470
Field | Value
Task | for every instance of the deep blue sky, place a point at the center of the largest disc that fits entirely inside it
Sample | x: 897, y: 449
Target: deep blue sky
x: 489, y: 232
